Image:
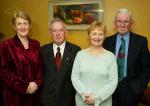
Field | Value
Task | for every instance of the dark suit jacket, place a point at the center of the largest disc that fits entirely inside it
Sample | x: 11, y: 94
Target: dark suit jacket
x: 138, y: 62
x: 57, y: 88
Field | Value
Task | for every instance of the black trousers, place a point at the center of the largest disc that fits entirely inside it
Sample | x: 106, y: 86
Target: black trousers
x: 123, y: 96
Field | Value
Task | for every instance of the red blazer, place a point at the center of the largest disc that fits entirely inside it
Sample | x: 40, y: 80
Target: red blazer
x: 18, y: 67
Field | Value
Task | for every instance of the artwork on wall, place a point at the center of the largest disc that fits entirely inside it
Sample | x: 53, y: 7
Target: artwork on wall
x: 77, y: 15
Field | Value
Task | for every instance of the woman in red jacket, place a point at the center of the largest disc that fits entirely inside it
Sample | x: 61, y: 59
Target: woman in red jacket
x: 20, y: 65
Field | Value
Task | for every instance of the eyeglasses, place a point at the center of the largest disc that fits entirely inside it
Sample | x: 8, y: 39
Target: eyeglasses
x: 126, y: 22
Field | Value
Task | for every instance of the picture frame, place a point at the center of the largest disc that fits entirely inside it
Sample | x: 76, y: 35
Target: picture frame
x: 77, y: 14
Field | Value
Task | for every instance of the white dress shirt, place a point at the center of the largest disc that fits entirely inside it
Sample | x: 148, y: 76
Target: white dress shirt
x: 62, y: 48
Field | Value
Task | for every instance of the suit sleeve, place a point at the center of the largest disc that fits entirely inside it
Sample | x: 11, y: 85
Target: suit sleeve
x: 139, y: 84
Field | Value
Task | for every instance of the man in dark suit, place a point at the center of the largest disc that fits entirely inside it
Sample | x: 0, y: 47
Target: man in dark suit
x: 137, y: 60
x: 57, y: 88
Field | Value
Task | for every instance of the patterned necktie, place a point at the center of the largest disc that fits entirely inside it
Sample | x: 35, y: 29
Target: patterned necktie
x: 58, y: 59
x: 121, y: 60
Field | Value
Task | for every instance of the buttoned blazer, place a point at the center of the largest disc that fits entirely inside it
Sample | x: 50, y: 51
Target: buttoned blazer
x: 57, y: 87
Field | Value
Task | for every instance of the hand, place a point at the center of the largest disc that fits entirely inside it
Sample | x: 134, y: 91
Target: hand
x: 89, y: 99
x: 32, y: 87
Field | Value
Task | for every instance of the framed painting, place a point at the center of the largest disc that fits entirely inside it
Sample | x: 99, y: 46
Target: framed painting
x: 77, y: 14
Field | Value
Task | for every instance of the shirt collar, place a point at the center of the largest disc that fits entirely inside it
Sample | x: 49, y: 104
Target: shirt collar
x: 61, y: 46
x: 125, y: 36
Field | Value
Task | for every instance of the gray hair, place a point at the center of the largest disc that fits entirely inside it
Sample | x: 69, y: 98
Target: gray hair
x: 56, y: 20
x: 123, y: 10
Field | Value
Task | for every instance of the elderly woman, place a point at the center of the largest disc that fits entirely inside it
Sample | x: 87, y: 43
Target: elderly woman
x: 20, y: 65
x: 94, y: 74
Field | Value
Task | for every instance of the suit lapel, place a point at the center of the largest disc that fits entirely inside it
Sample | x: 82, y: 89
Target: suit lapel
x: 131, y: 49
x: 65, y: 60
x: 113, y: 44
x: 51, y: 61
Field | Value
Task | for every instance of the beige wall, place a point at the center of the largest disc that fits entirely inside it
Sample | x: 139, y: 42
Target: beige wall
x: 38, y: 10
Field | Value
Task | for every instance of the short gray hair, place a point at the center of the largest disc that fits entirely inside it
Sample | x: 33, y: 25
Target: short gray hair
x: 123, y: 10
x: 56, y: 20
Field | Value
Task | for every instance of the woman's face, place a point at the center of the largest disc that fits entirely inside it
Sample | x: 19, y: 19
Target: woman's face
x: 97, y: 37
x: 22, y: 27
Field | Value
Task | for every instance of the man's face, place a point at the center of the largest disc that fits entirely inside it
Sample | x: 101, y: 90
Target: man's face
x: 58, y: 33
x: 123, y: 23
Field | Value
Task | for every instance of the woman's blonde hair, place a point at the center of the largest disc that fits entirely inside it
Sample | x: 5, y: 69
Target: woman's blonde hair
x: 97, y: 24
x: 20, y: 14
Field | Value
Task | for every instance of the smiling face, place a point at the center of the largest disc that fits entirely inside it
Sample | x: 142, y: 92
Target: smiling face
x: 96, y: 34
x: 21, y: 23
x: 97, y: 37
x: 22, y: 27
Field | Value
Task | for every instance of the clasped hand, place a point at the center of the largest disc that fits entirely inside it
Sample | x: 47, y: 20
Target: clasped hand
x: 89, y: 99
x: 32, y: 87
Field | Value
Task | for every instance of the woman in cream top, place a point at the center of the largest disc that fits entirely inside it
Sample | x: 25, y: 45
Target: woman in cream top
x: 94, y: 74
